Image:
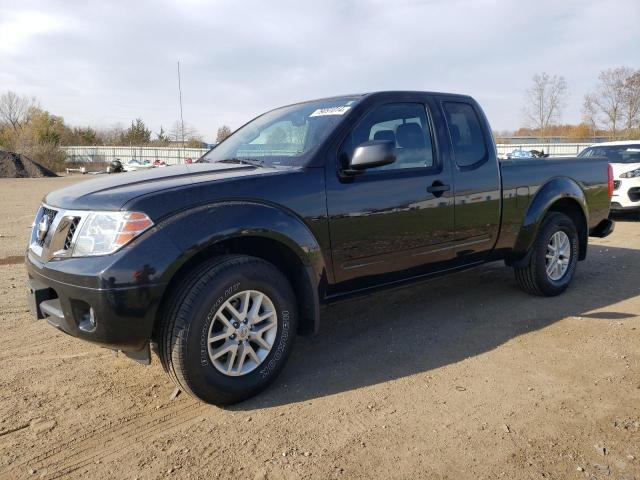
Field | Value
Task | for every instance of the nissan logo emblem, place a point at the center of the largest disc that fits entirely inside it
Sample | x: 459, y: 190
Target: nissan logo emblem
x: 43, y: 228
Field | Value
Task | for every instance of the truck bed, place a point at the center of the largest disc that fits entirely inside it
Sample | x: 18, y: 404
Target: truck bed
x: 522, y: 178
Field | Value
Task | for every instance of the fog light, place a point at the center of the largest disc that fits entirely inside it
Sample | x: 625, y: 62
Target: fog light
x: 88, y: 322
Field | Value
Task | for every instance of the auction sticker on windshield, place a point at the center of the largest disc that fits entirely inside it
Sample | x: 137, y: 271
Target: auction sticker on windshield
x: 330, y: 111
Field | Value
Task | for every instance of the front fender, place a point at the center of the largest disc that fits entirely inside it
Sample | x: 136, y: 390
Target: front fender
x: 199, y: 228
x: 554, y: 190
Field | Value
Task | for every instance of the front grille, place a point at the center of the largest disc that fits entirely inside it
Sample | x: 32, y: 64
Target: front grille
x: 59, y: 238
x: 51, y: 214
x: 72, y: 229
x: 616, y: 184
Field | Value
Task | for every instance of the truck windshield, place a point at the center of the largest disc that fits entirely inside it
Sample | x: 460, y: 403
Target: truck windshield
x: 285, y: 136
x: 615, y: 153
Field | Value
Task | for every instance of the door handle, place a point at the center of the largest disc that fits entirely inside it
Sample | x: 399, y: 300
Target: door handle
x: 438, y: 188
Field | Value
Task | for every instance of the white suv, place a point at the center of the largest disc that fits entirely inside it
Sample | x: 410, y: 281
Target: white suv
x: 624, y: 157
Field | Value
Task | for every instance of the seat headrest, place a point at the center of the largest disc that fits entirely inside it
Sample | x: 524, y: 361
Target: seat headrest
x: 385, y: 135
x: 410, y: 135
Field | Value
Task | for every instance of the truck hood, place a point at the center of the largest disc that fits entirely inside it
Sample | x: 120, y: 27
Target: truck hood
x: 620, y: 168
x: 112, y: 192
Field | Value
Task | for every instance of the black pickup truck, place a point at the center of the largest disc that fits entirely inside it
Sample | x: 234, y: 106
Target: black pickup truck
x: 218, y: 265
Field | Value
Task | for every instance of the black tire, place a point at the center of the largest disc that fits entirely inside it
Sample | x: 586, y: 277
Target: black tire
x: 533, y: 278
x: 188, y: 315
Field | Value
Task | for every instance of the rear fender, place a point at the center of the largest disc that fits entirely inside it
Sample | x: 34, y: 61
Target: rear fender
x: 552, y: 192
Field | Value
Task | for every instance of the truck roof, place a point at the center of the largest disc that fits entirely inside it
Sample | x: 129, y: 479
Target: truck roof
x: 414, y: 91
x: 378, y: 92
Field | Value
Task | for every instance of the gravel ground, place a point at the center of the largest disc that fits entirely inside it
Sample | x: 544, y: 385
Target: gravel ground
x: 463, y: 377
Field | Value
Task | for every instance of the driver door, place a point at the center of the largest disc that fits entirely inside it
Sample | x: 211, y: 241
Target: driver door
x: 394, y: 218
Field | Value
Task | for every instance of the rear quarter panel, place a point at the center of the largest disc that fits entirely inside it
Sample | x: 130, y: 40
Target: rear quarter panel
x: 531, y: 186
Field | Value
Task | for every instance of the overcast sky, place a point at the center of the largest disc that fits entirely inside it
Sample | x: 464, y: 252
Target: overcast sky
x: 104, y: 62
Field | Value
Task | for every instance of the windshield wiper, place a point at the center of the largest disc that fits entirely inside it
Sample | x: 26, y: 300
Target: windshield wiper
x: 244, y: 161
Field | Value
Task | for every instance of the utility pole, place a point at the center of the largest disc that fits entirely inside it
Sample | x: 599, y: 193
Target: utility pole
x: 181, y: 118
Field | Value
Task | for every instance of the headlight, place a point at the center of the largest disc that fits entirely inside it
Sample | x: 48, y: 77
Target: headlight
x: 631, y: 174
x: 102, y: 233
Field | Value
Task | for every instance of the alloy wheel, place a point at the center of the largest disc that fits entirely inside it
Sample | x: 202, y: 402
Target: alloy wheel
x: 242, y: 333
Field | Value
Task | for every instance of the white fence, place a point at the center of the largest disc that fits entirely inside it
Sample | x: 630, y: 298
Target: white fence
x: 169, y: 155
x: 175, y: 155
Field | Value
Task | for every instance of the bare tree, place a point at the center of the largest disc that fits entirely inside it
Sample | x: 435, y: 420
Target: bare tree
x: 223, y: 132
x: 175, y: 134
x: 608, y: 98
x: 545, y: 100
x: 111, y: 135
x: 631, y: 100
x: 14, y: 109
x: 590, y: 113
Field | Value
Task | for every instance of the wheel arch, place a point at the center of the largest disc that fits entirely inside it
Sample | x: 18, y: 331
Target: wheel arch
x: 560, y: 194
x: 257, y: 230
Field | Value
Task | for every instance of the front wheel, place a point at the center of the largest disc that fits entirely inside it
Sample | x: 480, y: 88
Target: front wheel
x: 229, y: 329
x: 553, y: 257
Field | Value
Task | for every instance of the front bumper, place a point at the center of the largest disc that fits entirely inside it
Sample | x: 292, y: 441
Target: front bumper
x: 110, y: 300
x: 626, y: 196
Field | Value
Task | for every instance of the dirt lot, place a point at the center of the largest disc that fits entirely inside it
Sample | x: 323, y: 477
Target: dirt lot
x: 463, y: 377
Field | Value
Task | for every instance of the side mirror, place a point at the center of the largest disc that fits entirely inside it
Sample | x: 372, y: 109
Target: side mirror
x: 374, y: 153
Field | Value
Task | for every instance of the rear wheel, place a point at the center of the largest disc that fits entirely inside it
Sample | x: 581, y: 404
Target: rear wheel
x: 229, y: 329
x: 553, y: 257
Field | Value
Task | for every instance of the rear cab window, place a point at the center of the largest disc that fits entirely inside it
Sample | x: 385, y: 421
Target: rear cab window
x: 467, y: 137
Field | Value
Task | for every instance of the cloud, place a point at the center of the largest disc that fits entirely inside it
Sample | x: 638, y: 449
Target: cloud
x: 107, y: 62
x: 19, y: 28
